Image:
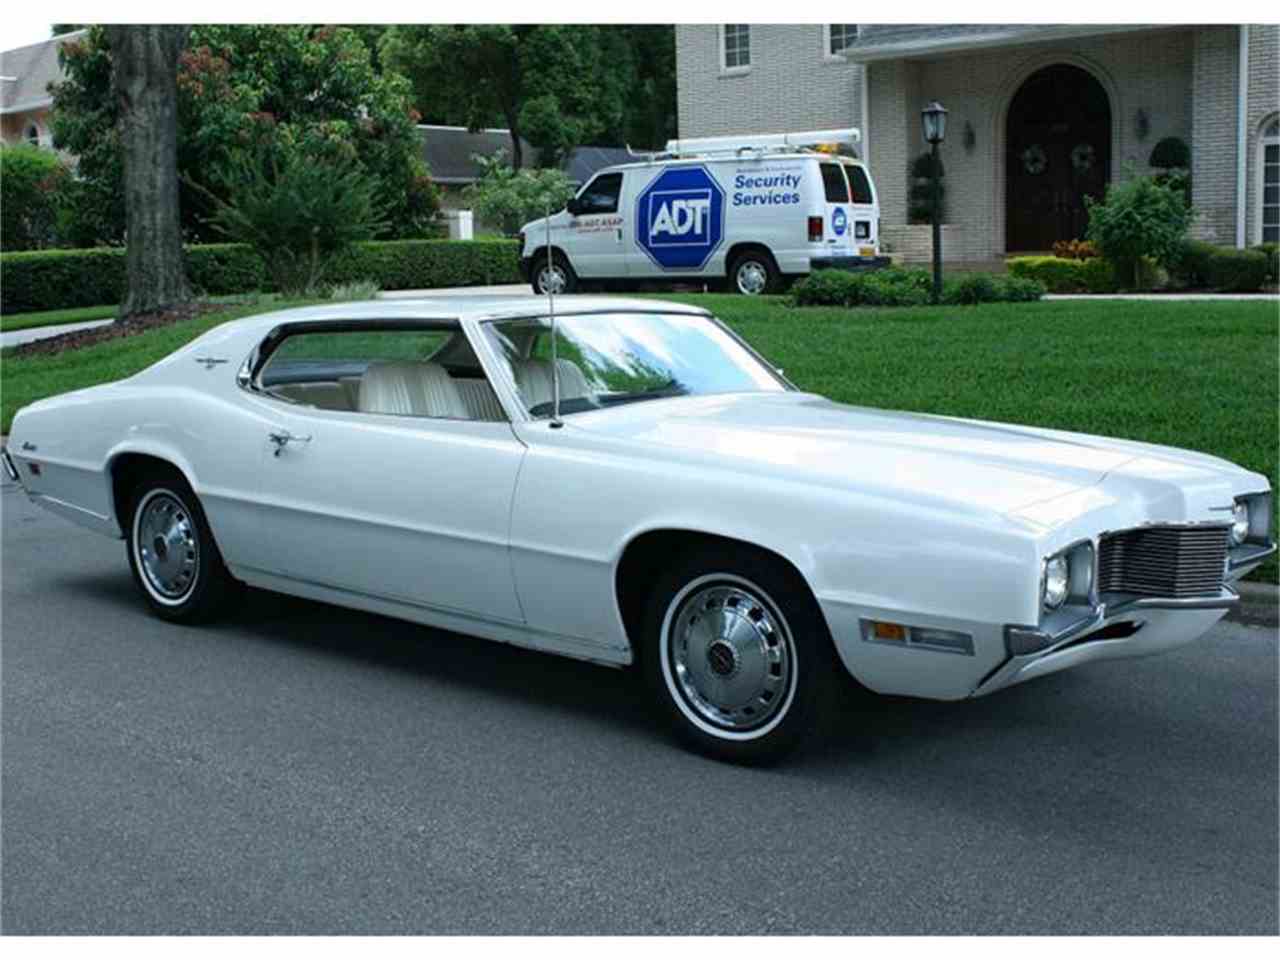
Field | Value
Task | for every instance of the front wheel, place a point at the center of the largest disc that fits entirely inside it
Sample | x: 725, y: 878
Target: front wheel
x: 736, y: 654
x: 554, y: 276
x: 172, y: 555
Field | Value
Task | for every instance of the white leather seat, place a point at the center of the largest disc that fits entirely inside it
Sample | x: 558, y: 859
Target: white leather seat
x: 533, y: 377
x: 410, y: 389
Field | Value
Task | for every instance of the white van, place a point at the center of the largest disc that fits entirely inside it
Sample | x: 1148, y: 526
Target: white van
x: 750, y: 211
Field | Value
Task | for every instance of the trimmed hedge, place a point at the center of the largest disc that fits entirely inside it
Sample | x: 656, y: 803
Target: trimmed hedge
x: 1238, y: 271
x: 57, y: 279
x: 1060, y: 275
x: 896, y: 287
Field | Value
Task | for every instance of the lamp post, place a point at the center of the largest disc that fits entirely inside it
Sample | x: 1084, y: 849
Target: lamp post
x: 933, y: 119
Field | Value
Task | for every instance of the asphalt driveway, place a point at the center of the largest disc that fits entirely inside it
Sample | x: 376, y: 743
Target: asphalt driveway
x: 305, y: 769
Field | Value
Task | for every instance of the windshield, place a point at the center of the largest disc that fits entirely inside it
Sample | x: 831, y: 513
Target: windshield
x: 607, y: 359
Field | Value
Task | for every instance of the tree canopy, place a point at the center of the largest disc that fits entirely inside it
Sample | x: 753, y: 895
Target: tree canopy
x: 556, y: 85
x: 295, y: 89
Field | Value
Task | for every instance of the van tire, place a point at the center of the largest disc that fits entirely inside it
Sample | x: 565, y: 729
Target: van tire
x: 754, y: 272
x: 540, y: 273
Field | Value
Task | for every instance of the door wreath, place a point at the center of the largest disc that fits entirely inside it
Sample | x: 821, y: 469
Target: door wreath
x: 1034, y: 159
x: 1082, y: 157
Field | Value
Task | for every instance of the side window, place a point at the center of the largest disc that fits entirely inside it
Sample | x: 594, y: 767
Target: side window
x: 428, y: 372
x: 601, y: 194
x: 861, y: 185
x: 735, y: 46
x: 840, y: 36
x: 833, y: 182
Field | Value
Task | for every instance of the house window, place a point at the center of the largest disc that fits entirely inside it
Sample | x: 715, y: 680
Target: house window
x: 1269, y: 163
x: 32, y: 135
x: 838, y: 37
x: 735, y: 46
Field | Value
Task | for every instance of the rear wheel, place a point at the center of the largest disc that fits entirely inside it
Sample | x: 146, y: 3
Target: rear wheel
x: 174, y: 560
x: 557, y: 276
x: 736, y: 654
x: 754, y: 273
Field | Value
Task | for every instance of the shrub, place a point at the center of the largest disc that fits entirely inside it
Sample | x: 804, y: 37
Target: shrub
x: 57, y: 279
x: 30, y: 181
x: 1171, y: 153
x: 1020, y: 289
x: 1272, y: 252
x: 920, y: 189
x: 509, y: 199
x: 1237, y: 271
x: 1059, y: 275
x: 1074, y: 249
x: 355, y: 290
x: 972, y: 288
x: 297, y: 212
x: 1190, y: 266
x: 1139, y: 218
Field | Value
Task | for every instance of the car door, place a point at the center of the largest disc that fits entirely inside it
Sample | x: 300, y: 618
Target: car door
x: 406, y: 506
x: 593, y: 240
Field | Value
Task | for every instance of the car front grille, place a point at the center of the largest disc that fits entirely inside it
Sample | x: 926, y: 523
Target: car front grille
x: 1163, y: 561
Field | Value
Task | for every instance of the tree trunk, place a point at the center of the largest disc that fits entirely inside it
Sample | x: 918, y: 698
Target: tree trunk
x: 145, y: 79
x: 513, y: 125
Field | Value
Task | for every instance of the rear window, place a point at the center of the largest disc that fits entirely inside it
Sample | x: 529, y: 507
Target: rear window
x: 861, y: 185
x: 833, y: 182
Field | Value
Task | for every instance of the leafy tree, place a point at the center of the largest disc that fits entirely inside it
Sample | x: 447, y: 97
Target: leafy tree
x: 555, y: 85
x: 144, y: 79
x: 298, y: 211
x: 1139, y: 218
x: 30, y: 182
x: 306, y: 88
x: 511, y: 198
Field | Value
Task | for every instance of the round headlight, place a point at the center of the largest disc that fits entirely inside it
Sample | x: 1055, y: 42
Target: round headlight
x: 1057, y: 580
x: 1239, y: 523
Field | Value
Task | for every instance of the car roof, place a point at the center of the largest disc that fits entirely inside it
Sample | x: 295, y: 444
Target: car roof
x: 461, y: 307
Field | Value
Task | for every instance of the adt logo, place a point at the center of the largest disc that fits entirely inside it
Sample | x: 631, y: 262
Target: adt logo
x: 680, y: 218
x: 839, y: 221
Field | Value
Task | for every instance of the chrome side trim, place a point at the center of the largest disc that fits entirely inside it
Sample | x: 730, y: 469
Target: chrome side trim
x: 1225, y: 600
x: 9, y: 467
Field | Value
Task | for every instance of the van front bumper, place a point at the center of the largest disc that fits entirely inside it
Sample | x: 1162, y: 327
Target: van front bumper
x: 849, y: 263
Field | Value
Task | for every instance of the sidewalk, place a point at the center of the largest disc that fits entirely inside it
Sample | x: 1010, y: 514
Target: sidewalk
x: 15, y: 337
x: 1274, y: 298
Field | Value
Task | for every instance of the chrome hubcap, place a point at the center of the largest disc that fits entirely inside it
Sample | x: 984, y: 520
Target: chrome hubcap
x: 551, y: 279
x: 752, y: 277
x: 730, y: 656
x: 168, y: 552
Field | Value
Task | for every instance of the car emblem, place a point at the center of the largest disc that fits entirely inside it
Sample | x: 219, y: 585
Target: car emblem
x: 210, y: 362
x: 28, y: 445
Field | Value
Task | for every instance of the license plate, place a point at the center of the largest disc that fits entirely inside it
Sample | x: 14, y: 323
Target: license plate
x: 866, y: 251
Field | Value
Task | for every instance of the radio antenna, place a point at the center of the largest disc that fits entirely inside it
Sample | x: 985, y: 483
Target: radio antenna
x: 556, y: 422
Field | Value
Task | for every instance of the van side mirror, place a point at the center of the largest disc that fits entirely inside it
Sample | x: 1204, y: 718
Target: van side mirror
x: 573, y: 206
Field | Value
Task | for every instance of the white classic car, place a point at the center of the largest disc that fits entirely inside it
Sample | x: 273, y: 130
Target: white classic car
x: 685, y: 508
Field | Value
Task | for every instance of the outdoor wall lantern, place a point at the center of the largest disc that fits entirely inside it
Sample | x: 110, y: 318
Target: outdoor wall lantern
x: 1141, y: 124
x: 933, y: 119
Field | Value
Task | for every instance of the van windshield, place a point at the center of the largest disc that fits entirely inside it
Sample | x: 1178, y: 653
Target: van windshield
x: 608, y: 359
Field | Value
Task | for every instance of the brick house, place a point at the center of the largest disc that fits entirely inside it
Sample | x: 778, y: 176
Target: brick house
x: 1040, y: 115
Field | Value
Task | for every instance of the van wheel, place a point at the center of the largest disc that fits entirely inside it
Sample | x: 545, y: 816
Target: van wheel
x: 754, y: 273
x: 554, y: 277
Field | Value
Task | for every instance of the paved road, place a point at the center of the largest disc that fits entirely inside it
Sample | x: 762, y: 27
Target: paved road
x: 304, y: 769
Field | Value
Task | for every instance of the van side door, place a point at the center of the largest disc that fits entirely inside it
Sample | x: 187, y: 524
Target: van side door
x: 593, y: 240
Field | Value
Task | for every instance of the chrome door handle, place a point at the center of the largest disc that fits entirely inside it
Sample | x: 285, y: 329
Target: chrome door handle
x: 282, y: 438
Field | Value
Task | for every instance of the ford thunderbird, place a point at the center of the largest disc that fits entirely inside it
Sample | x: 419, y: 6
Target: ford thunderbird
x: 630, y: 483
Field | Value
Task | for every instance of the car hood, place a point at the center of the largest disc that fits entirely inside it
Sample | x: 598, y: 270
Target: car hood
x: 983, y: 466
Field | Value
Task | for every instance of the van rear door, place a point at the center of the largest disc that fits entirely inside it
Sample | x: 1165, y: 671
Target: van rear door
x: 865, y: 215
x: 837, y: 231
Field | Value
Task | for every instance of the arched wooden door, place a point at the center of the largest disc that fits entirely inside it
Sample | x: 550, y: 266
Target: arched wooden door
x: 1058, y: 151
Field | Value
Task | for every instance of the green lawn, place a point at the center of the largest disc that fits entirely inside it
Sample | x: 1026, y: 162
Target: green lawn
x: 50, y: 318
x: 1202, y: 375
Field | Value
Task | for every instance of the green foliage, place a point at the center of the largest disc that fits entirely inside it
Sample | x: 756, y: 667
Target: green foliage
x: 1020, y: 289
x: 920, y: 189
x: 969, y: 289
x: 1272, y: 252
x: 511, y: 198
x: 897, y: 287
x: 1061, y: 275
x: 1190, y: 266
x: 57, y: 279
x: 558, y: 85
x: 30, y: 182
x: 1171, y: 153
x: 309, y: 90
x: 297, y: 213
x: 1139, y: 218
x: 353, y: 291
x: 1238, y: 271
